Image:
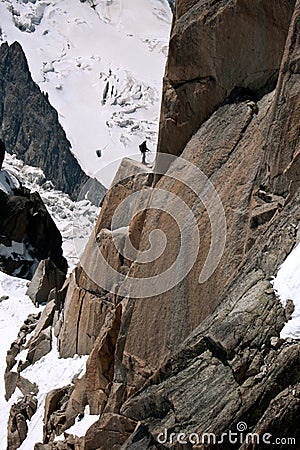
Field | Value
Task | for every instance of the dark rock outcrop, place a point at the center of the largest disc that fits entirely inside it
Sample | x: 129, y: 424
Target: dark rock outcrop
x: 14, y: 380
x: 46, y: 277
x: 30, y: 128
x: 26, y: 223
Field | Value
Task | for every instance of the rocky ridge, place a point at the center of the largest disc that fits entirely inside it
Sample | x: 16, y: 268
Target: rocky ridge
x: 199, y: 358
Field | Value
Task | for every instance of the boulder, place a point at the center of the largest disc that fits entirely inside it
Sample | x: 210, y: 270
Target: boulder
x: 26, y: 387
x: 26, y: 223
x: 93, y: 191
x: 110, y: 431
x: 46, y: 277
x: 13, y: 380
x: 45, y: 320
x: 40, y: 346
x: 10, y: 379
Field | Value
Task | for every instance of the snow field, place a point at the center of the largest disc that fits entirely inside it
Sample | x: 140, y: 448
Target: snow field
x: 287, y: 285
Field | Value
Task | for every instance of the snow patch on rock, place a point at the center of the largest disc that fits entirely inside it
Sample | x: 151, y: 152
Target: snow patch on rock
x: 80, y: 426
x: 287, y: 285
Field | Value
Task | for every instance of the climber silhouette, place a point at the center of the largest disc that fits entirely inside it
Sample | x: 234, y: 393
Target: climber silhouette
x: 2, y: 153
x: 144, y: 150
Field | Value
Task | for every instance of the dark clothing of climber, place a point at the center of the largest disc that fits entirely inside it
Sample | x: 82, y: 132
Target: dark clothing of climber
x: 144, y: 150
x: 2, y: 153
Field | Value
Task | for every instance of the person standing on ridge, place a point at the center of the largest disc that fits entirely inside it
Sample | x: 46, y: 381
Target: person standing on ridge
x: 144, y: 150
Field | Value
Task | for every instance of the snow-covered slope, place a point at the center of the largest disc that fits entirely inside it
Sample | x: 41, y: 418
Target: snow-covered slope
x: 287, y: 285
x: 64, y: 370
x: 15, y: 306
x: 102, y: 63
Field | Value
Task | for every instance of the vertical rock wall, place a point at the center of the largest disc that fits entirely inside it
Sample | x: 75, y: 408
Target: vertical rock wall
x: 216, y: 48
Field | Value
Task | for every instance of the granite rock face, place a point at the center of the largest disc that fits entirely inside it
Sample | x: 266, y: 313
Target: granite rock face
x: 87, y: 303
x: 217, y: 48
x: 46, y: 277
x: 30, y: 128
x: 199, y: 357
x: 281, y: 156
